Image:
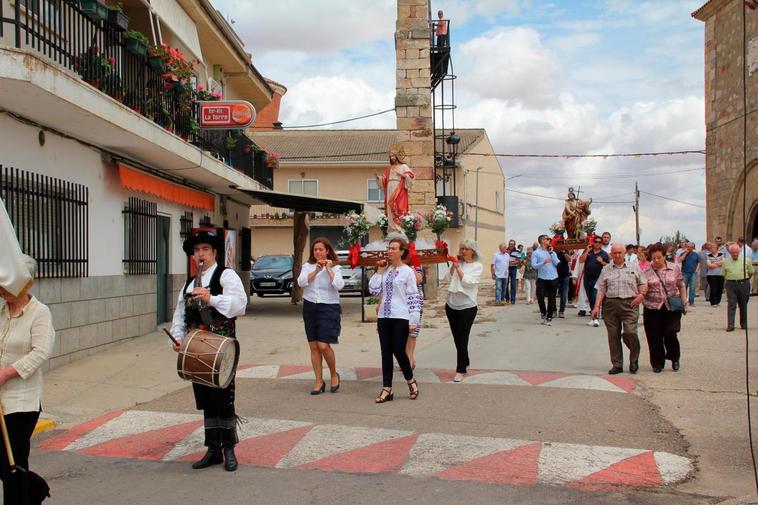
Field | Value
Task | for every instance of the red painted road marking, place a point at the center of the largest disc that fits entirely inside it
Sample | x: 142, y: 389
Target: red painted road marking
x: 60, y: 442
x: 537, y: 378
x: 382, y: 457
x: 447, y: 375
x: 638, y: 471
x: 626, y: 383
x: 151, y: 445
x: 268, y: 450
x: 364, y: 373
x: 287, y: 370
x: 351, y: 449
x: 517, y: 466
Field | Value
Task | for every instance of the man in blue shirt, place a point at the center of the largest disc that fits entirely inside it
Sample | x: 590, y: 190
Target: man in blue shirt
x: 546, y: 262
x: 689, y: 261
x: 594, y: 259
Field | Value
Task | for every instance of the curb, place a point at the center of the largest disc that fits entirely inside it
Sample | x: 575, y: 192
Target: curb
x: 43, y: 425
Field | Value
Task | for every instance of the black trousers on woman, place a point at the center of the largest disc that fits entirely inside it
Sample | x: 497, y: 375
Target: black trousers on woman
x: 393, y: 337
x: 20, y: 428
x: 661, y: 328
x: 716, y: 287
x: 461, y: 322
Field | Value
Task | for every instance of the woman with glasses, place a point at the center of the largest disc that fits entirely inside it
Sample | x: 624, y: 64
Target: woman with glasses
x: 461, y: 306
x: 397, y: 316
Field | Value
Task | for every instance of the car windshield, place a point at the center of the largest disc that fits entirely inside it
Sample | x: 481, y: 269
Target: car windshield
x: 273, y: 262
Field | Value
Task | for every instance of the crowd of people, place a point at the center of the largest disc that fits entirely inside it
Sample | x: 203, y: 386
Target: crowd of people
x: 611, y: 281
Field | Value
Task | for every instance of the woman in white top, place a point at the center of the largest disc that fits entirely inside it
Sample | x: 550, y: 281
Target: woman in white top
x: 26, y: 340
x: 397, y: 316
x: 321, y: 280
x: 461, y: 306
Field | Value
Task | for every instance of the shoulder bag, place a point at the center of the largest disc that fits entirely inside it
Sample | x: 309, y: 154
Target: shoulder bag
x: 676, y: 304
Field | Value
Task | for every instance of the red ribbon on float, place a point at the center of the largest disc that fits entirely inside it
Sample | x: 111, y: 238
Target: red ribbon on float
x: 413, y: 256
x: 354, y: 254
x: 441, y: 247
x: 557, y: 239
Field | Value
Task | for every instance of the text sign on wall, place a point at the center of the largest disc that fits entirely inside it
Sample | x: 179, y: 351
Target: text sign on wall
x: 229, y: 114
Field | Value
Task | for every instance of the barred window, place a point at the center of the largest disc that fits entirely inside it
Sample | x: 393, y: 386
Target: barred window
x: 51, y: 218
x: 185, y: 222
x: 140, y: 217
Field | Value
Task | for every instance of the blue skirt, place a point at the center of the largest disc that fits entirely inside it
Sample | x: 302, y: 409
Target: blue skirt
x: 322, y: 321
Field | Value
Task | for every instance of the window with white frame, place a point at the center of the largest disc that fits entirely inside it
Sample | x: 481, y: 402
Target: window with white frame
x: 308, y: 187
x: 374, y: 193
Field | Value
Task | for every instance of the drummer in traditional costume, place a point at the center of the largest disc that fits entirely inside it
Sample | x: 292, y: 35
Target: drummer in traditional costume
x: 211, y: 303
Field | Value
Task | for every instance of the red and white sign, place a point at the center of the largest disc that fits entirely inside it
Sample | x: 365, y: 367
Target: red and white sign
x: 229, y: 114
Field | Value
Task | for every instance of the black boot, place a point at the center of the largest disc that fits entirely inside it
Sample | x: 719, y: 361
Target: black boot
x: 212, y: 457
x: 230, y: 460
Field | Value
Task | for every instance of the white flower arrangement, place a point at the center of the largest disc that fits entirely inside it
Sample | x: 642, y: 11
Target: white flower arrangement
x: 439, y: 219
x: 356, y: 227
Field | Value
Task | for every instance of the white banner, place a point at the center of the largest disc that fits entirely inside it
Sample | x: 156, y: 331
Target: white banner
x: 14, y: 276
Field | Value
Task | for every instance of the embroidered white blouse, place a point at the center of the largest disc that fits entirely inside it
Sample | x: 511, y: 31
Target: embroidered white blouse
x: 399, y: 293
x: 231, y: 303
x: 26, y: 342
x: 322, y: 289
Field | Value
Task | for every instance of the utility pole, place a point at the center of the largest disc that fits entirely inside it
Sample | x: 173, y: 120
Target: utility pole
x: 636, y: 208
x: 476, y: 211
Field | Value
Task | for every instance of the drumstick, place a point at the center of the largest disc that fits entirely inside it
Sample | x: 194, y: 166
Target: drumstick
x: 175, y: 341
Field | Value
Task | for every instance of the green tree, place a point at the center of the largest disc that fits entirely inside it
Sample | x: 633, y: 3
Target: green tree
x: 674, y: 239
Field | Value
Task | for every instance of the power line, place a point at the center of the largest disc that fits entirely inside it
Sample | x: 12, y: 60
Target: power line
x: 334, y: 122
x: 615, y: 176
x: 569, y: 156
x: 673, y: 199
x: 566, y: 156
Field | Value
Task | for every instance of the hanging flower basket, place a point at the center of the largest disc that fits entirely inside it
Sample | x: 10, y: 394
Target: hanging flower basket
x: 118, y: 20
x: 156, y: 63
x: 94, y: 10
x: 135, y: 42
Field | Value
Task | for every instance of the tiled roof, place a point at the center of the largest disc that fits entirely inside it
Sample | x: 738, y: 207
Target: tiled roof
x: 342, y: 145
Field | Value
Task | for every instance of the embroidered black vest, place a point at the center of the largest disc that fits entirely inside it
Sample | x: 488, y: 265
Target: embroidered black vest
x: 220, y: 324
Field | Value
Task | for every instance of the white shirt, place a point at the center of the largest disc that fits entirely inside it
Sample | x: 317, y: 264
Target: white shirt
x: 231, y: 303
x: 462, y: 293
x: 322, y: 289
x: 501, y: 262
x: 27, y: 343
x: 607, y: 248
x: 399, y: 293
x: 631, y: 258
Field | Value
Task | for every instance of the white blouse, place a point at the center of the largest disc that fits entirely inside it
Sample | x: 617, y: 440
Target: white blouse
x: 461, y: 293
x: 399, y: 293
x: 322, y: 289
x: 27, y: 343
x: 231, y: 303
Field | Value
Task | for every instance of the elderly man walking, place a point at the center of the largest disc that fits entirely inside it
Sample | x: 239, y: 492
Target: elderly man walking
x: 622, y: 287
x: 737, y: 270
x: 545, y: 261
x: 499, y: 271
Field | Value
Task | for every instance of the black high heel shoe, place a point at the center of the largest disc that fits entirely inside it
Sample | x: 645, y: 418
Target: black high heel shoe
x: 386, y: 395
x: 315, y: 392
x: 334, y: 389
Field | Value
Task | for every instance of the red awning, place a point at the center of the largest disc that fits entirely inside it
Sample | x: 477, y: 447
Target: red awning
x: 144, y: 183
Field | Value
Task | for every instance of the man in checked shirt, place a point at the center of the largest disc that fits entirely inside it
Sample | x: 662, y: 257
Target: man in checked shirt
x: 622, y: 287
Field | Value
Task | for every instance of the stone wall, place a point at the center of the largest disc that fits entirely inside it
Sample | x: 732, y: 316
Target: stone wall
x: 413, y: 99
x: 93, y: 312
x: 724, y: 112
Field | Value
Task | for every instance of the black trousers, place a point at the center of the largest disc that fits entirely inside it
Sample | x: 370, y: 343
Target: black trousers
x: 661, y: 328
x: 589, y: 289
x: 737, y: 295
x: 716, y: 287
x: 219, y: 417
x: 393, y: 337
x: 547, y: 288
x: 20, y: 428
x: 461, y: 322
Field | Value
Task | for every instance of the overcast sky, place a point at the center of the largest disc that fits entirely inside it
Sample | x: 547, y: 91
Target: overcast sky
x: 568, y: 76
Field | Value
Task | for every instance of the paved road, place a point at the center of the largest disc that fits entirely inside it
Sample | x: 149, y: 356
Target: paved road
x: 537, y: 422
